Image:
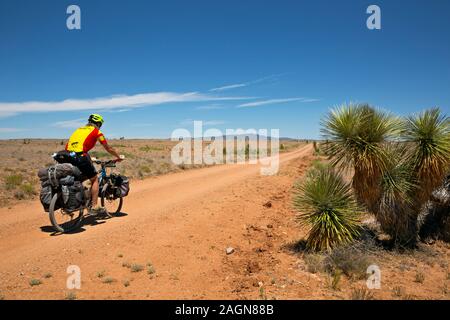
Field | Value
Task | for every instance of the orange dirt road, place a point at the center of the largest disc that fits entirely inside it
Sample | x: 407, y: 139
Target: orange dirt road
x: 181, y: 223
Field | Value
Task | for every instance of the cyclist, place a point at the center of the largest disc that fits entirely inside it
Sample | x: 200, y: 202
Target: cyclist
x: 81, y: 142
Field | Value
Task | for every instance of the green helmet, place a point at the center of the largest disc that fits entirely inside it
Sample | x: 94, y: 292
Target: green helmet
x: 96, y: 118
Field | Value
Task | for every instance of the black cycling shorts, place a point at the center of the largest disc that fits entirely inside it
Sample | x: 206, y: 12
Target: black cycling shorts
x: 86, y: 167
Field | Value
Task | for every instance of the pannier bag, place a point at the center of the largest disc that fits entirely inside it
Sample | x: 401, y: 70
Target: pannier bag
x: 120, y: 186
x: 124, y: 186
x: 64, y: 175
x: 72, y: 196
x: 46, y: 196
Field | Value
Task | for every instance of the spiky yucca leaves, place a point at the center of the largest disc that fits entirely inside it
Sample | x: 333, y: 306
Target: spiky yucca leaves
x: 325, y: 203
x: 429, y: 134
x: 356, y: 134
x: 395, y: 211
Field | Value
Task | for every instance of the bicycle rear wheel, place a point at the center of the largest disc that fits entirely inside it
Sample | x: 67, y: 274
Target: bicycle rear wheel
x: 62, y: 220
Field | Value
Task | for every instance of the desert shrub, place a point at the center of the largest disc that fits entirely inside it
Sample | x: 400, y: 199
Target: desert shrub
x: 71, y: 295
x: 145, y: 169
x: 35, y: 282
x: 19, y: 195
x: 419, y: 277
x: 28, y: 189
x: 349, y: 260
x: 362, y: 294
x: 13, y: 181
x: 326, y: 205
x: 314, y: 262
x: 108, y: 280
x: 136, y: 268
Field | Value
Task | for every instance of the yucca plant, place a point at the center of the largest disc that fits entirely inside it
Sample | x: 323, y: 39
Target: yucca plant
x: 395, y: 210
x: 428, y: 134
x: 357, y: 134
x: 326, y: 205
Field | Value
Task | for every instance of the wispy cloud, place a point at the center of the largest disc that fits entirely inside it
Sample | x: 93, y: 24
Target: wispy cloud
x: 245, y: 84
x: 70, y: 124
x: 274, y: 101
x: 120, y: 102
x: 11, y: 130
x: 230, y: 86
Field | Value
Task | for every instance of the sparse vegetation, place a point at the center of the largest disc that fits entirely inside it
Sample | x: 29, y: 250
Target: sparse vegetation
x: 35, y: 282
x: 398, y: 291
x: 262, y: 293
x: 48, y: 275
x: 101, y: 274
x: 28, y: 189
x: 150, y: 268
x: 136, y: 268
x: 108, y: 280
x: 349, y: 260
x: 13, y: 181
x: 362, y: 294
x: 419, y: 277
x: 335, y: 280
x: 71, y: 295
x: 314, y: 262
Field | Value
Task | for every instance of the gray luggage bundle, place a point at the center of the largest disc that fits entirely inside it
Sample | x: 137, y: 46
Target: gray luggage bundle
x: 66, y: 178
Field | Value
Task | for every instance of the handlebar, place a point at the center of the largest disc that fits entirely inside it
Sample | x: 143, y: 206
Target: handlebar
x: 107, y: 162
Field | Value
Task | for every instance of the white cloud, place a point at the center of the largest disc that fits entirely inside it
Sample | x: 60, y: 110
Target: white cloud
x: 113, y: 102
x: 245, y: 84
x: 70, y: 124
x: 230, y: 86
x: 274, y: 101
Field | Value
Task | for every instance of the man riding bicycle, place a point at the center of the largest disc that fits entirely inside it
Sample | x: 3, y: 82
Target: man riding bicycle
x: 81, y: 142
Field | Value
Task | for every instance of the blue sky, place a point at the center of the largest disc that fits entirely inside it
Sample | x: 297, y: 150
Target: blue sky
x: 150, y: 67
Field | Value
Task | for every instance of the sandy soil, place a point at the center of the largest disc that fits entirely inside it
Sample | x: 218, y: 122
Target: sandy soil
x: 181, y: 224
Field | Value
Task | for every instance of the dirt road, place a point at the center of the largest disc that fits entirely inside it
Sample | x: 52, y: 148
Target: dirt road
x: 180, y: 223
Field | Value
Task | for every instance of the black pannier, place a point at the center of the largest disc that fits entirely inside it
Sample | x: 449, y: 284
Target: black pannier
x: 120, y: 186
x: 72, y: 196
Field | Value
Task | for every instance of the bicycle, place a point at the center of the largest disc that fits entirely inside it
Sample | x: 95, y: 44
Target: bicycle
x: 64, y: 220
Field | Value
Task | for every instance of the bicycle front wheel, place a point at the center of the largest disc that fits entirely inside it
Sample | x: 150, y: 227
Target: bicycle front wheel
x: 111, y: 202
